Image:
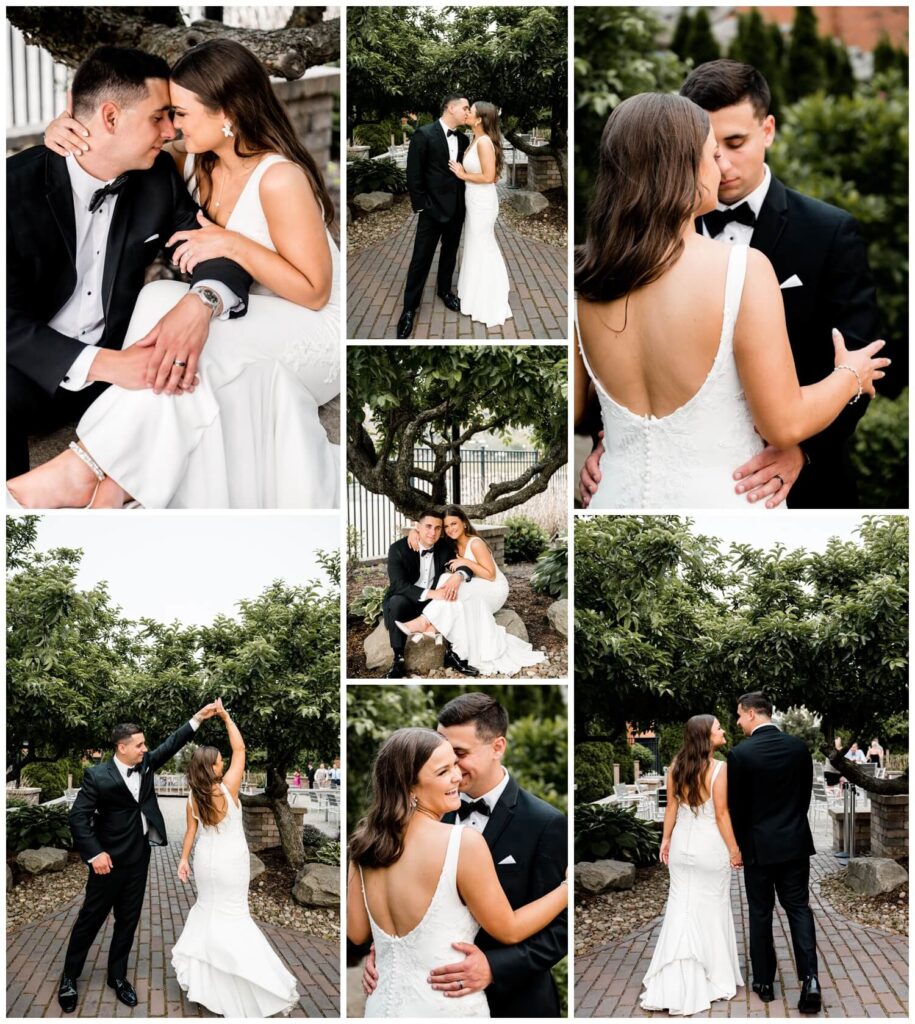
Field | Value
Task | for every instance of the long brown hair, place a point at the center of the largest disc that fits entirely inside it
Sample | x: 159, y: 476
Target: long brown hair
x: 489, y: 114
x: 689, y: 766
x: 224, y: 75
x: 378, y: 839
x: 201, y: 777
x: 647, y: 185
x: 459, y: 513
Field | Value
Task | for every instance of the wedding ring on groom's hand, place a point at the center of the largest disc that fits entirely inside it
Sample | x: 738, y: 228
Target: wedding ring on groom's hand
x: 460, y: 984
x: 181, y: 362
x: 779, y: 478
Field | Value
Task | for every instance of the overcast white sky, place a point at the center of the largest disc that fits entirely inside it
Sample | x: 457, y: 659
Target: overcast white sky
x: 190, y: 567
x: 795, y: 529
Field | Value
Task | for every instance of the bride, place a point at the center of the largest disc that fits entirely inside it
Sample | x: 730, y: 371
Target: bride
x: 222, y: 959
x: 483, y: 280
x: 468, y: 623
x: 249, y: 435
x: 695, y: 960
x: 684, y: 338
x: 417, y: 885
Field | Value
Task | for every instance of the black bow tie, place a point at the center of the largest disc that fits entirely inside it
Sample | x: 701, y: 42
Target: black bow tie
x: 469, y: 806
x: 138, y: 769
x: 451, y: 132
x: 110, y: 189
x: 423, y: 554
x: 718, y: 220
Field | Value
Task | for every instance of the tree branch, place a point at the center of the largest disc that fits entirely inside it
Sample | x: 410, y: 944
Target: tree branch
x: 863, y: 780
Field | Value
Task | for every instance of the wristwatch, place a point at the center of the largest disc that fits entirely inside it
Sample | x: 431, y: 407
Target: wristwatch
x: 209, y: 298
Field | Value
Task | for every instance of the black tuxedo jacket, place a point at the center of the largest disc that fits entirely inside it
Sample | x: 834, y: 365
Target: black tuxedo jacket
x: 403, y: 567
x: 41, y: 254
x: 534, y: 835
x: 821, y: 245
x: 770, y: 777
x: 434, y: 189
x: 105, y: 817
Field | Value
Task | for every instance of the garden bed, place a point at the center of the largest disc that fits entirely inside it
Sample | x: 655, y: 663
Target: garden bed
x: 270, y: 900
x: 531, y: 607
x: 368, y: 229
x: 600, y: 920
x: 550, y: 225
x: 889, y: 911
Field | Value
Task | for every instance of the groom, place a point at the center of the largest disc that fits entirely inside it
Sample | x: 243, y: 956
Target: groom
x: 437, y: 195
x: 528, y: 840
x: 81, y: 232
x: 820, y: 260
x: 412, y: 577
x: 770, y: 777
x: 115, y: 819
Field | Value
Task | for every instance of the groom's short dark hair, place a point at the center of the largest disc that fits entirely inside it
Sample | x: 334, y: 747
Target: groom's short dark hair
x: 118, y: 73
x: 123, y: 731
x: 486, y: 713
x: 433, y: 512
x: 450, y: 98
x: 722, y: 83
x: 756, y: 702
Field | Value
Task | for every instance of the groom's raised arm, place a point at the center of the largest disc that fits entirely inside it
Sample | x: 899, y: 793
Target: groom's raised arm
x: 545, y: 949
x: 172, y: 744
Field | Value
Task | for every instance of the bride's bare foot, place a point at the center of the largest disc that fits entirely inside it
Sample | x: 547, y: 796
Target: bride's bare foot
x: 62, y: 482
x: 110, y: 495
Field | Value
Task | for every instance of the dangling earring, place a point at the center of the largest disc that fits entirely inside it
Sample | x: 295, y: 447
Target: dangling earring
x: 414, y: 803
x: 227, y: 130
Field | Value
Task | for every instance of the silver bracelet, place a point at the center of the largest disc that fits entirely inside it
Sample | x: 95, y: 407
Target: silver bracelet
x: 81, y: 453
x: 851, y: 369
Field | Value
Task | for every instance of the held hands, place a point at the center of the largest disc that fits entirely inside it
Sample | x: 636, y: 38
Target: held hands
x: 178, y: 337
x: 65, y: 135
x: 221, y: 711
x: 184, y: 870
x: 457, y: 169
x: 102, y: 864
x: 451, y: 586
x: 472, y: 974
x: 208, y: 710
x: 770, y: 474
x: 736, y: 858
x: 208, y: 242
x: 863, y: 362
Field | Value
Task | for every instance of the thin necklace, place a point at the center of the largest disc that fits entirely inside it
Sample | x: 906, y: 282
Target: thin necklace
x: 222, y: 183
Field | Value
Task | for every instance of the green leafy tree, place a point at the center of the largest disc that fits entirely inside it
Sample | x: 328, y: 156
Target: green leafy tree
x: 884, y: 55
x: 701, y: 45
x: 439, y: 397
x: 681, y: 33
x: 806, y: 71
x: 755, y: 44
x: 840, y: 79
x: 880, y: 453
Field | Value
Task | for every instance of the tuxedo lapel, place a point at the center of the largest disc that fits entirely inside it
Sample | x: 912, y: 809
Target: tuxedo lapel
x: 772, y: 219
x: 118, y: 778
x: 502, y: 814
x: 117, y: 233
x: 60, y: 200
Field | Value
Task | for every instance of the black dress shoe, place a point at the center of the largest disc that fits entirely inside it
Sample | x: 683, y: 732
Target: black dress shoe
x: 766, y: 992
x: 66, y: 994
x: 465, y: 668
x: 398, y: 669
x: 124, y: 991
x: 811, y: 1000
x: 405, y: 323
x: 451, y: 301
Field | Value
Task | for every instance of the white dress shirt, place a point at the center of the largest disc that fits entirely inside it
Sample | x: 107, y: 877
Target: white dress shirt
x: 82, y: 316
x: 740, y: 234
x: 451, y: 140
x: 480, y: 821
x: 426, y: 579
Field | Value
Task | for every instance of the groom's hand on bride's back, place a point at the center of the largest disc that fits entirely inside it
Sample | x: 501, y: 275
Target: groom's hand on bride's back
x: 472, y: 974
x: 770, y: 474
x: 369, y: 974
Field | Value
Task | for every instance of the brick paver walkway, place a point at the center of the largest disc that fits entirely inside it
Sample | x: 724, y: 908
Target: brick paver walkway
x: 539, y: 291
x: 35, y: 955
x: 864, y: 972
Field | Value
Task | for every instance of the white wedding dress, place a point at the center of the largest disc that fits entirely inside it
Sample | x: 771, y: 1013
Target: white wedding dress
x: 222, y: 959
x: 695, y: 960
x: 483, y: 278
x: 470, y: 627
x: 404, y: 961
x: 249, y: 436
x: 687, y: 458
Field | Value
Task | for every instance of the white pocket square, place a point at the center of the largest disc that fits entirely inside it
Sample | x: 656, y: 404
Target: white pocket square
x: 151, y: 237
x: 793, y: 282
x: 508, y: 860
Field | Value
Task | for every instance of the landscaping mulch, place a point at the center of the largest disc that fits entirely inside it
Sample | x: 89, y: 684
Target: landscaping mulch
x: 550, y: 225
x: 889, y: 911
x: 368, y: 228
x: 600, y: 920
x: 270, y: 901
x: 34, y: 897
x: 529, y: 605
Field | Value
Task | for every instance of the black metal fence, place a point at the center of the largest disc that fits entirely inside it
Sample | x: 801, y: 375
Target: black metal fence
x: 373, y: 523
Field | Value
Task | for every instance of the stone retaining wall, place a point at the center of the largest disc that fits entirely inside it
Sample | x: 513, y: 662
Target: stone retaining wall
x: 889, y: 826
x: 862, y: 832
x: 542, y: 173
x: 309, y: 103
x: 494, y: 536
x: 260, y: 827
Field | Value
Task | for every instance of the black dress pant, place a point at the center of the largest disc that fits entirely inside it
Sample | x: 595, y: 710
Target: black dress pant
x: 429, y: 232
x: 31, y: 410
x: 791, y: 882
x: 121, y: 890
x: 399, y: 608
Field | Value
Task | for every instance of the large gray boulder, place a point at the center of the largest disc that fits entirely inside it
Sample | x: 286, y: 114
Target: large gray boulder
x: 40, y: 861
x: 511, y: 620
x: 421, y: 656
x: 604, y: 875
x: 258, y: 867
x: 317, y: 885
x: 528, y: 203
x: 369, y: 202
x: 558, y: 616
x: 377, y: 647
x: 871, y: 876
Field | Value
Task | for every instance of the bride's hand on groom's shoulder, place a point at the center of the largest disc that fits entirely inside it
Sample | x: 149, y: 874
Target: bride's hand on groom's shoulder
x: 65, y: 136
x: 413, y: 539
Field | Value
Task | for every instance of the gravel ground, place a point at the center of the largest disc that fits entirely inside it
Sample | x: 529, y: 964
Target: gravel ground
x: 532, y: 608
x: 36, y: 897
x: 369, y: 228
x: 601, y: 919
x: 888, y: 912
